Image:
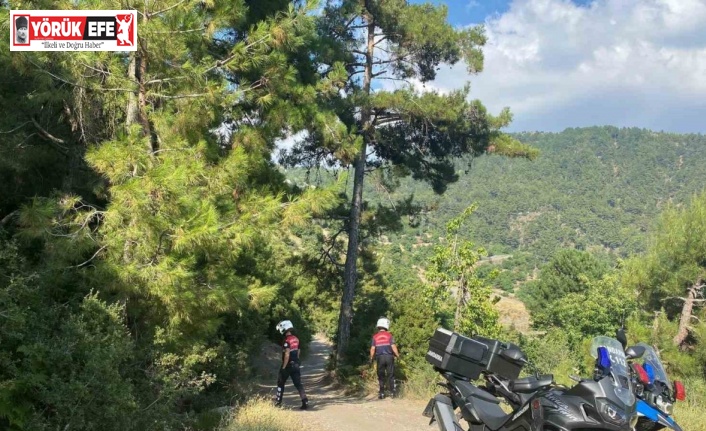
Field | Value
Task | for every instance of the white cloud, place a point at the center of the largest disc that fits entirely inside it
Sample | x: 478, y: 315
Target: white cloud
x: 621, y: 62
x: 472, y: 4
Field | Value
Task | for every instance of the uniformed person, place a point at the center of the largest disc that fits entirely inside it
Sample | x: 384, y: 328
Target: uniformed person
x: 384, y: 350
x: 290, y: 364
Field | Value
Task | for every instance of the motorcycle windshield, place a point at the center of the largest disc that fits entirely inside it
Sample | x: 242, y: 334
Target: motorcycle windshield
x: 651, y: 357
x: 618, y: 367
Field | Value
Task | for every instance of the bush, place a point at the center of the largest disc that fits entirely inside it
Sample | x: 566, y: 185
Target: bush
x: 549, y: 353
x: 62, y: 364
x: 420, y: 383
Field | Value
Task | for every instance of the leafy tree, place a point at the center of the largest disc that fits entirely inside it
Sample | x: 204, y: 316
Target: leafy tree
x: 569, y: 271
x: 672, y: 273
x: 402, y: 130
x: 452, y: 272
x: 598, y: 310
x: 549, y: 352
x: 655, y: 328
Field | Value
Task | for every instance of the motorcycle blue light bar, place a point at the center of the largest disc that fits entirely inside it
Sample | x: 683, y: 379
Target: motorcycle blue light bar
x: 603, y: 358
x: 650, y: 371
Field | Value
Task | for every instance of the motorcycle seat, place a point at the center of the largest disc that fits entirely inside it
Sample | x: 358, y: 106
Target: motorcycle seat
x: 467, y: 390
x: 484, y: 405
x: 531, y: 384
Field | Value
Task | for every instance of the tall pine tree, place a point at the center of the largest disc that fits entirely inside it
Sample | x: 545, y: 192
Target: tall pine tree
x: 401, y: 129
x: 186, y: 230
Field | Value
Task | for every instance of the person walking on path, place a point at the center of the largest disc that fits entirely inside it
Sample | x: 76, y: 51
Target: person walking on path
x: 384, y: 349
x: 290, y: 364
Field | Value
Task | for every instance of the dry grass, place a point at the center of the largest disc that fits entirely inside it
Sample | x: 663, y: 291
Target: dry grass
x: 513, y: 313
x: 260, y: 415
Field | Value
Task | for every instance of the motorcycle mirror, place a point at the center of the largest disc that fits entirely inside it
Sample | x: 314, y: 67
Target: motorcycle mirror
x: 633, y: 352
x: 514, y: 355
x: 620, y: 336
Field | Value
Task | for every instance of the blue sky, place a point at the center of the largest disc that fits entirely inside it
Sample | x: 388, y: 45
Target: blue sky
x: 464, y: 12
x: 574, y: 63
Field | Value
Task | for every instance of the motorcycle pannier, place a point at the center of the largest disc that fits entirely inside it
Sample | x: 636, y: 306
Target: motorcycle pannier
x: 469, y: 357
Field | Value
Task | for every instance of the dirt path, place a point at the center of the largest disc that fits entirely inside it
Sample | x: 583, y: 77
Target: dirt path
x: 331, y: 410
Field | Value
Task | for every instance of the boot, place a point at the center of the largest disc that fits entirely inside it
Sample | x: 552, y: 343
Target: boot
x: 305, y: 404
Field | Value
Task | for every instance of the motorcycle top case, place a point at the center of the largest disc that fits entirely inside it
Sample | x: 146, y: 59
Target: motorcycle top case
x: 469, y: 357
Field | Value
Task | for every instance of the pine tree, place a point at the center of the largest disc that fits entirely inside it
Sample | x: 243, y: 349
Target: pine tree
x: 188, y: 227
x: 404, y: 130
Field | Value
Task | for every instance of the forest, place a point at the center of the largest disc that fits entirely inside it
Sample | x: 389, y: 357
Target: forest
x: 154, y: 227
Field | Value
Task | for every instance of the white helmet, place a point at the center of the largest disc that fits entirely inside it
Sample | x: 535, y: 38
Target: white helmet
x: 383, y: 322
x: 283, y: 326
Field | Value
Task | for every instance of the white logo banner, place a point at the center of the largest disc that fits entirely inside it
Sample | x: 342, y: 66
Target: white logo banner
x: 73, y: 30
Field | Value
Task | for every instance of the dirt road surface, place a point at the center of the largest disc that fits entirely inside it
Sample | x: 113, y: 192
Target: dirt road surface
x: 331, y: 410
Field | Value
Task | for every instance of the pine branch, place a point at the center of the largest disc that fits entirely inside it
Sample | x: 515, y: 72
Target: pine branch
x: 232, y: 57
x: 89, y: 260
x: 180, y: 96
x: 336, y: 264
x: 161, y: 80
x: 384, y: 37
x: 150, y: 15
x: 56, y: 142
x: 101, y: 71
x: 679, y: 298
x: 74, y: 84
x: 381, y: 62
x: 7, y: 218
x: 389, y: 120
x: 392, y: 78
x: 179, y: 31
x: 327, y: 251
x: 16, y: 128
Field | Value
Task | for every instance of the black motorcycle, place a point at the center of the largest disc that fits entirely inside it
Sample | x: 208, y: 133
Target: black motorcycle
x: 603, y: 402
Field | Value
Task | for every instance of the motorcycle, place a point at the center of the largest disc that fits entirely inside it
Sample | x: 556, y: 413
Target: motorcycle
x: 604, y: 402
x: 655, y: 400
x: 656, y: 395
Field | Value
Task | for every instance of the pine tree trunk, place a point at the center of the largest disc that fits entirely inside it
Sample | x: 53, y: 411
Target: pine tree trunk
x: 350, y: 275
x: 73, y: 161
x: 131, y: 111
x: 140, y: 70
x: 142, y: 97
x: 350, y: 272
x: 686, y: 310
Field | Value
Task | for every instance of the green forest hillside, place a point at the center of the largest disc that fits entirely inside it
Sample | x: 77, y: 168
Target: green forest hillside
x: 597, y: 188
x: 600, y: 210
x: 149, y: 245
